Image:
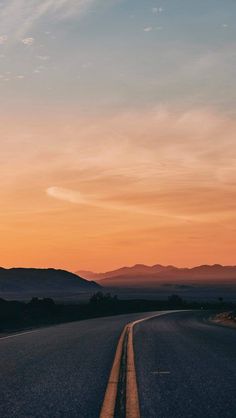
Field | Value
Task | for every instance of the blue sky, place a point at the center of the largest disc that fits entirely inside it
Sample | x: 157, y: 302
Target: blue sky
x: 118, y: 53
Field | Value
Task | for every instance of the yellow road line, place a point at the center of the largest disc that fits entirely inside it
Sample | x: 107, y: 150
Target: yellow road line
x: 132, y: 398
x: 109, y: 403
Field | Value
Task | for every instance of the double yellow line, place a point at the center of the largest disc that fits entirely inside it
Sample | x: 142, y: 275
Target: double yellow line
x: 125, y: 348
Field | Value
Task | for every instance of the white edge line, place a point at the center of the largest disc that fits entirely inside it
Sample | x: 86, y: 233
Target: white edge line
x: 19, y: 334
x: 37, y: 330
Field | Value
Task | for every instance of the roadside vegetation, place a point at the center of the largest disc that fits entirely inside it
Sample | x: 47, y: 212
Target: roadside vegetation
x: 15, y: 315
x: 228, y: 317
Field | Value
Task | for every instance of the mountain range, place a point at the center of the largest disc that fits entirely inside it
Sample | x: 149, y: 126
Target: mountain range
x: 141, y: 275
x: 25, y: 283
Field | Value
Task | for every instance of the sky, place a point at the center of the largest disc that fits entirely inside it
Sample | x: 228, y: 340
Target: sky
x: 117, y: 133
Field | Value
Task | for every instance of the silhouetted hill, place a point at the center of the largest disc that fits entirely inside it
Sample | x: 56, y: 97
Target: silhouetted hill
x: 137, y: 270
x: 149, y: 276
x: 26, y: 283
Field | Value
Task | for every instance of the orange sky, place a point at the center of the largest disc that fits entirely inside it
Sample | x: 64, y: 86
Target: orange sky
x: 100, y: 191
x: 117, y: 146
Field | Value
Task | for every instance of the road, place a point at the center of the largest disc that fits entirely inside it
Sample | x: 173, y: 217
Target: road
x: 185, y: 367
x: 59, y: 371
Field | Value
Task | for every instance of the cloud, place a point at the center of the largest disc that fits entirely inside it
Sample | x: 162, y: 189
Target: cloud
x: 17, y: 17
x: 179, y: 165
x: 76, y: 197
x: 148, y: 29
x: 157, y: 10
x: 66, y: 194
x: 173, y: 165
x: 28, y: 41
x: 43, y: 57
x: 3, y: 39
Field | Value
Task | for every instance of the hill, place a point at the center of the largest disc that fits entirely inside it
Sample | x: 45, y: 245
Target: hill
x: 23, y: 283
x: 150, y: 276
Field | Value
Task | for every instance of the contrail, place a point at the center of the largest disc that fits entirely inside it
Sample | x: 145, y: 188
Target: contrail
x: 73, y: 196
x: 76, y: 197
x: 67, y: 194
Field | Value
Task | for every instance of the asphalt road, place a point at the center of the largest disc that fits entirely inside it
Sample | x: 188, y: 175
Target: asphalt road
x: 185, y: 367
x: 60, y: 371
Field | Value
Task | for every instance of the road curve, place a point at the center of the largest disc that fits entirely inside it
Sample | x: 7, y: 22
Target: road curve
x: 59, y: 371
x: 186, y: 367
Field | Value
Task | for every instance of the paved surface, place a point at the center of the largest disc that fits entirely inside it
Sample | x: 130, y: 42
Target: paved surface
x: 60, y: 371
x: 185, y: 367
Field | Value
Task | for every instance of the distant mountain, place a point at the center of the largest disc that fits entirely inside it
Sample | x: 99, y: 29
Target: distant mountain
x: 150, y: 276
x: 26, y: 282
x: 138, y: 269
x: 88, y: 274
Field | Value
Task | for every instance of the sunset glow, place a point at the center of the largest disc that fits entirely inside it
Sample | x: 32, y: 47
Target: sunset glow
x: 112, y: 153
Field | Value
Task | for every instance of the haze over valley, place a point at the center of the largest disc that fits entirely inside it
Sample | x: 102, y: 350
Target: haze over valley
x: 204, y: 282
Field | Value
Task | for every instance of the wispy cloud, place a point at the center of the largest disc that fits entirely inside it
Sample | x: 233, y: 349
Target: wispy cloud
x: 148, y: 29
x: 78, y: 198
x: 28, y: 41
x: 95, y: 201
x: 43, y: 57
x: 18, y: 17
x: 174, y: 166
x: 68, y: 195
x: 3, y: 39
x: 157, y: 10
